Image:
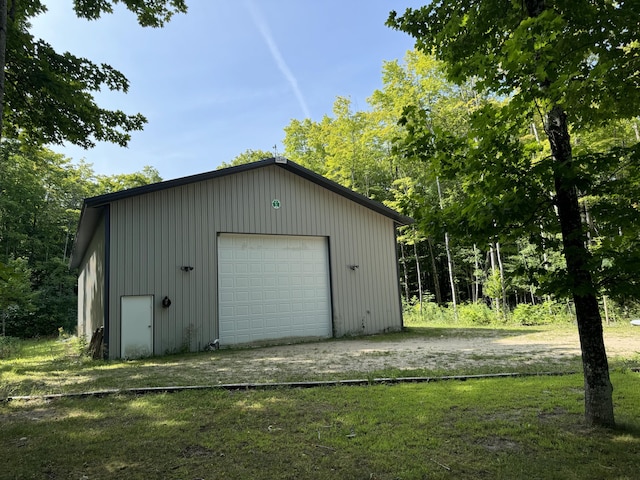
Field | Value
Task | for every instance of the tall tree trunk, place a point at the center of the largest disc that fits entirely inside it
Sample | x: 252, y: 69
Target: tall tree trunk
x: 418, y: 274
x: 533, y: 296
x: 503, y: 287
x: 534, y: 130
x: 476, y: 280
x: 531, y: 287
x: 452, y: 282
x: 436, y: 276
x: 496, y: 303
x: 597, y: 384
x: 405, y: 272
x: 3, y: 56
x: 449, y: 260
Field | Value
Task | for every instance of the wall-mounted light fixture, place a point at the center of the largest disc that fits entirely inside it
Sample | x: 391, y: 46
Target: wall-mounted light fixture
x: 166, y: 302
x: 186, y: 268
x: 354, y: 267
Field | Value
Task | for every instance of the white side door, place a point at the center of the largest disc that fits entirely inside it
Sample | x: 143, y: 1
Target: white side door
x: 136, y: 334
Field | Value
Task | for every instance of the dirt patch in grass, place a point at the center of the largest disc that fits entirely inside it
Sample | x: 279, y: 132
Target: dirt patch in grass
x: 504, y: 349
x: 425, y: 351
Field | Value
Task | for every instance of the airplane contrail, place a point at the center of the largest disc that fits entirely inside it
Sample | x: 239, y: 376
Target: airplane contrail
x: 262, y: 26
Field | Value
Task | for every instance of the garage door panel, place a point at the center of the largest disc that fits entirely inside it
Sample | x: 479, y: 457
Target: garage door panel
x: 280, y: 285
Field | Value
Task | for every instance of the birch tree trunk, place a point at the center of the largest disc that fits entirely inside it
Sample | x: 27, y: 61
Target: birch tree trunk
x: 476, y: 280
x: 449, y: 260
x: 492, y: 259
x: 3, y: 57
x: 419, y: 274
x: 502, y: 283
x: 534, y: 130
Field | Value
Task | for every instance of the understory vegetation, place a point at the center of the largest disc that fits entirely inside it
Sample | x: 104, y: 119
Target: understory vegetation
x: 525, y: 314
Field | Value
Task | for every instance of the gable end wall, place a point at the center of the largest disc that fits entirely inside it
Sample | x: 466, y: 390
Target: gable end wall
x: 153, y: 235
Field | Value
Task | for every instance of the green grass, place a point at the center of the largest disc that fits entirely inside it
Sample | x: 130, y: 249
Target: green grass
x: 495, y: 429
x: 514, y: 428
x: 54, y: 366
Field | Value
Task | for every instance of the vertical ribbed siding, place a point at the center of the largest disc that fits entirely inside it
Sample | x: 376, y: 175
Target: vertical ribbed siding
x: 153, y: 235
x: 91, y: 285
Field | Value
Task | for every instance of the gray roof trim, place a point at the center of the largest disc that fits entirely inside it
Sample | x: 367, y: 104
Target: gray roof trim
x: 92, y: 207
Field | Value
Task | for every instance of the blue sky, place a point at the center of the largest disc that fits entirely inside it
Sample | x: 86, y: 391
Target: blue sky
x: 229, y: 75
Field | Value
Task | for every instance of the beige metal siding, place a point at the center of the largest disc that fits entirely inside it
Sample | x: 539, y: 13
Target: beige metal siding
x: 91, y: 286
x: 154, y: 234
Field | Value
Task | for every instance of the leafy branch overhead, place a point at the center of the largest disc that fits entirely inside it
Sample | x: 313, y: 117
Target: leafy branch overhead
x: 152, y: 13
x: 48, y: 96
x: 581, y: 55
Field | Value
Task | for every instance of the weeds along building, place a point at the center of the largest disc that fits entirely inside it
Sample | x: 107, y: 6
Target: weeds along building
x: 259, y: 252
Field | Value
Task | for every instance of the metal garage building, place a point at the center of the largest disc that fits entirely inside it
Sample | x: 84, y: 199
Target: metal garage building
x: 263, y: 251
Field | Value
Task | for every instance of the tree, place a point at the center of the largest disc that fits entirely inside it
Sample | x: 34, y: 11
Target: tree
x: 420, y: 86
x: 46, y: 97
x: 574, y: 62
x: 41, y: 195
x: 17, y: 300
x: 122, y: 181
x: 305, y: 142
x: 248, y: 156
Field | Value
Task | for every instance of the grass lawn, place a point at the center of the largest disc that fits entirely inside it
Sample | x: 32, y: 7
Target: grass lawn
x: 495, y: 429
x: 513, y: 428
x: 54, y: 367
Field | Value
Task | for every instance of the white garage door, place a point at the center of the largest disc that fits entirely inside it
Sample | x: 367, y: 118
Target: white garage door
x: 272, y: 286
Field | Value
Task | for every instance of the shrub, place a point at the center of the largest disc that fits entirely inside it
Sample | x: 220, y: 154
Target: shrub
x: 476, y: 314
x: 431, y: 313
x: 527, y: 314
x: 9, y: 347
x: 541, y: 314
x: 434, y: 314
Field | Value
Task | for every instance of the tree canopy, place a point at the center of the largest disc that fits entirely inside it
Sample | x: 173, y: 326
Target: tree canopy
x: 575, y: 65
x: 47, y: 96
x: 41, y: 194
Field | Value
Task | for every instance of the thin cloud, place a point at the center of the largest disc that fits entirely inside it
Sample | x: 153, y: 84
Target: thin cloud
x: 262, y: 26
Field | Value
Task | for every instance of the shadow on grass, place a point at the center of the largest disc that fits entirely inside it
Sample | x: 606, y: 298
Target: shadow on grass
x: 56, y: 370
x: 458, y: 332
x: 507, y: 428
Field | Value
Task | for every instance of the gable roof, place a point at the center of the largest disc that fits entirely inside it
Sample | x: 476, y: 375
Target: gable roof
x: 93, y: 207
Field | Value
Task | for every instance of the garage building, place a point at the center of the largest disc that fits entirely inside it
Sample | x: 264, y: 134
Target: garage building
x: 265, y: 251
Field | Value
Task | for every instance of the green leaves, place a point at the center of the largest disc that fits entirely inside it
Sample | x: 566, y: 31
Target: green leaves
x: 581, y: 55
x: 41, y: 195
x: 154, y: 13
x: 48, y: 97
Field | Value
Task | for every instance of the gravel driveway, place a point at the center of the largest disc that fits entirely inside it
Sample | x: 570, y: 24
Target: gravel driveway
x: 465, y: 350
x: 424, y: 352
